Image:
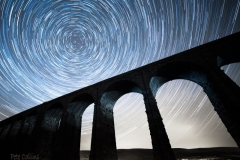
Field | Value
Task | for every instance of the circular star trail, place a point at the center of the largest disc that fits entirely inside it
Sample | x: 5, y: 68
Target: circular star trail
x: 52, y: 47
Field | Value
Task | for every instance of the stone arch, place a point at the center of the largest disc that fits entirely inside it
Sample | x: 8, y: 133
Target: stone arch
x: 181, y: 70
x: 49, y: 130
x: 4, y: 139
x: 16, y: 127
x: 14, y: 136
x: 75, y: 111
x: 29, y: 123
x: 229, y: 54
x: 186, y: 110
x: 76, y: 108
x: 26, y: 136
x: 70, y: 132
x: 5, y: 130
x: 104, y: 122
x: 199, y: 75
x: 116, y: 90
x: 2, y: 128
x: 105, y: 119
x: 52, y: 117
x: 103, y: 135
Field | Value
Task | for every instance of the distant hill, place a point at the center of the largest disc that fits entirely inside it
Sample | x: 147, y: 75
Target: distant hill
x: 218, y: 153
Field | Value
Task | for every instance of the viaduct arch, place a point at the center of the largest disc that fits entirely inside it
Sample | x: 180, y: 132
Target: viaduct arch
x: 52, y: 129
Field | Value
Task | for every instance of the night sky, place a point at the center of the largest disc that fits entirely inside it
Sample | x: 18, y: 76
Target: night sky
x: 49, y: 48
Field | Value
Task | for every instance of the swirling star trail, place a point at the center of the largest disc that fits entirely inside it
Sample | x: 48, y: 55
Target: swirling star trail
x: 52, y: 47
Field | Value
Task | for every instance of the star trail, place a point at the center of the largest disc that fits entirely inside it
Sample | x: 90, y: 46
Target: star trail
x: 49, y: 48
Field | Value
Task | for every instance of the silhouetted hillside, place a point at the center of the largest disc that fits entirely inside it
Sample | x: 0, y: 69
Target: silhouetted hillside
x: 219, y: 153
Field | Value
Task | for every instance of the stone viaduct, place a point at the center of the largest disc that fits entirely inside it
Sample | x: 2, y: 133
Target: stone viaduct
x: 52, y: 130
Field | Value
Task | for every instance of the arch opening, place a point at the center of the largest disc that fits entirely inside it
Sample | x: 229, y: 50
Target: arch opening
x: 186, y: 110
x: 201, y: 76
x: 106, y: 105
x: 86, y: 128
x: 130, y: 121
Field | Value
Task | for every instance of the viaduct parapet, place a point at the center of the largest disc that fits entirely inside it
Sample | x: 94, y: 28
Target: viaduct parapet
x: 52, y: 130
